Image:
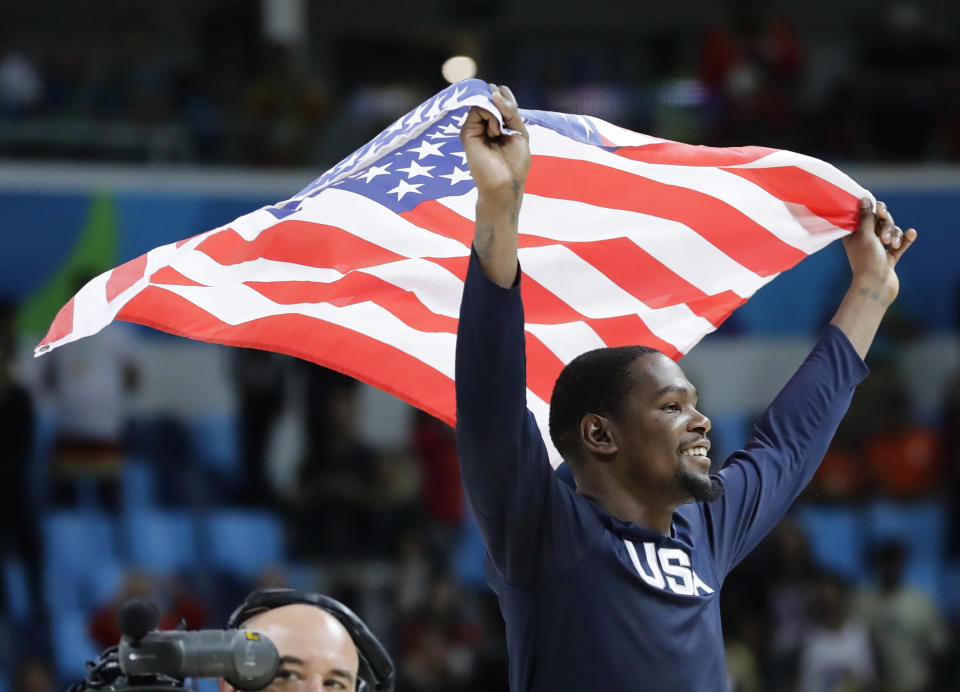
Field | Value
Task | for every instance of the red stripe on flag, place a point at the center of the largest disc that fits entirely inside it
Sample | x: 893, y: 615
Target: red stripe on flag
x: 652, y: 282
x: 433, y: 216
x: 792, y: 184
x: 298, y: 242
x: 455, y: 265
x: 336, y: 347
x: 358, y: 287
x: 125, y: 276
x: 543, y: 367
x: 715, y: 309
x: 436, y: 218
x: 677, y: 154
x: 715, y: 220
x: 62, y: 324
x: 630, y: 330
x: 637, y: 272
x: 169, y: 275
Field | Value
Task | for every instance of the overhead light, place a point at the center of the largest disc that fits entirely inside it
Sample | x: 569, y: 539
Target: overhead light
x: 458, y: 68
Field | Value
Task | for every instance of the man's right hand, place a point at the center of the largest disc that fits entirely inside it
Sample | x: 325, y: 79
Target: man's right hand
x: 499, y: 165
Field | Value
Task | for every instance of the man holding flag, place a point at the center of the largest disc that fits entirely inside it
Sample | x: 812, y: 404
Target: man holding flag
x: 615, y: 586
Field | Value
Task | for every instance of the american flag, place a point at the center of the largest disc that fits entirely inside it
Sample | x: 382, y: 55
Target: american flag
x: 624, y: 239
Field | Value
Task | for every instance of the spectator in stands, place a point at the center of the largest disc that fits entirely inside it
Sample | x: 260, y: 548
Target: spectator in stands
x: 18, y: 515
x: 34, y: 675
x: 176, y: 602
x: 439, y: 642
x: 335, y: 503
x: 950, y: 443
x: 140, y: 79
x: 909, y: 635
x: 435, y: 447
x: 790, y: 602
x: 836, y: 654
x: 20, y: 86
x: 905, y: 56
x: 89, y: 381
x: 904, y: 457
x: 285, y: 109
x: 753, y: 64
x: 259, y: 378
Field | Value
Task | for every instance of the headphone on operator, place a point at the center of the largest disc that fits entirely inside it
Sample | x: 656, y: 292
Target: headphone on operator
x: 375, y: 671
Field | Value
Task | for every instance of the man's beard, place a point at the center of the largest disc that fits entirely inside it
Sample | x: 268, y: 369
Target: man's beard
x: 700, y: 487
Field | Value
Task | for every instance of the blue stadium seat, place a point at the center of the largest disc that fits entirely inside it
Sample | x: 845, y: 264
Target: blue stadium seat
x: 242, y: 542
x: 836, y: 538
x: 921, y: 526
x: 138, y: 485
x: 215, y: 444
x: 467, y: 560
x: 71, y: 643
x: 159, y: 541
x: 74, y: 543
x: 17, y: 596
x: 100, y: 583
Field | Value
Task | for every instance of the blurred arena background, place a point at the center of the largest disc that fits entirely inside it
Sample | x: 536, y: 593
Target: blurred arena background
x: 126, y: 125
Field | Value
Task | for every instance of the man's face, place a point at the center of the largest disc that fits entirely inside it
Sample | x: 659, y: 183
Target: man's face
x: 663, y: 435
x: 316, y: 652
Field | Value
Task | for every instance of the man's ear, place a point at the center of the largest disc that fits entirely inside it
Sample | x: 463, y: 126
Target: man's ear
x: 598, y: 435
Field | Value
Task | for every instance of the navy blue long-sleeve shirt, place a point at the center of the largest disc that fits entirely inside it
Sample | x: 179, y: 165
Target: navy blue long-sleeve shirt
x: 592, y: 602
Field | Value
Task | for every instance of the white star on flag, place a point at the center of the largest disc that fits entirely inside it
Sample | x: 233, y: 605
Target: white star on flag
x: 374, y: 172
x: 450, y: 129
x: 462, y: 155
x: 415, y: 169
x: 437, y: 135
x: 404, y: 187
x: 457, y: 176
x: 460, y: 120
x: 428, y: 149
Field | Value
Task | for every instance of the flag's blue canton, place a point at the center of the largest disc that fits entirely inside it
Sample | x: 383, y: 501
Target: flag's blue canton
x: 400, y: 172
x: 450, y: 100
x: 429, y: 167
x: 576, y: 127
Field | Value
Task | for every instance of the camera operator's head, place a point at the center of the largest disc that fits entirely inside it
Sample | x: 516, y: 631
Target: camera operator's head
x: 322, y: 644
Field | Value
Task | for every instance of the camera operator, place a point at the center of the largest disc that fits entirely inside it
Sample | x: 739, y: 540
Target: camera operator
x: 277, y: 639
x: 322, y: 644
x: 316, y: 651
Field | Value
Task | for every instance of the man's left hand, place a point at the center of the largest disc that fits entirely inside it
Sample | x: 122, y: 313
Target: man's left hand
x: 873, y: 251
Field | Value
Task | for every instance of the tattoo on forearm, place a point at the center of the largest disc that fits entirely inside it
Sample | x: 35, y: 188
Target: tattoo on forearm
x: 483, y: 241
x: 872, y: 295
x: 517, y: 195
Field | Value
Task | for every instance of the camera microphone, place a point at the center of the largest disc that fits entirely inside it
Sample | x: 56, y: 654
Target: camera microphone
x: 245, y: 659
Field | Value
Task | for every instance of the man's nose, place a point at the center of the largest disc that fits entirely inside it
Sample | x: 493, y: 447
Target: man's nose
x: 699, y: 423
x: 313, y: 684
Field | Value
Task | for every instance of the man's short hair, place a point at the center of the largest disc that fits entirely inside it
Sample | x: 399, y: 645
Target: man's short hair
x: 594, y: 382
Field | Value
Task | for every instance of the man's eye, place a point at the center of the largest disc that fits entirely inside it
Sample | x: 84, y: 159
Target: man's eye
x: 671, y: 407
x: 334, y: 685
x: 286, y: 675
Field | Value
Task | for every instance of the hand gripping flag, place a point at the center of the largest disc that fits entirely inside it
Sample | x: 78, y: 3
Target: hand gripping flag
x: 624, y: 239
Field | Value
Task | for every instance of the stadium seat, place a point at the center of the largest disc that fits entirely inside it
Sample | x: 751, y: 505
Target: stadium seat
x: 159, y: 541
x: 242, y: 542
x: 138, y: 485
x: 72, y: 646
x: 100, y: 583
x: 836, y: 538
x: 467, y: 559
x: 74, y: 543
x: 17, y: 596
x: 215, y: 445
x: 921, y: 526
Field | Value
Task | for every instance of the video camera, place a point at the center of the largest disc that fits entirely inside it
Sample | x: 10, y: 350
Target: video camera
x: 150, y: 661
